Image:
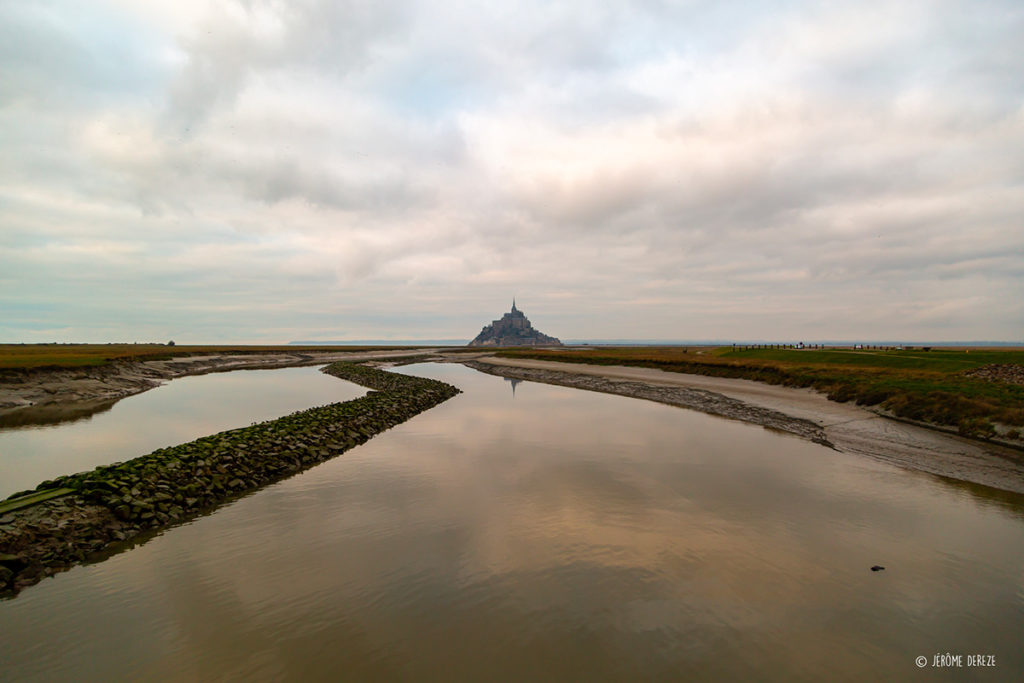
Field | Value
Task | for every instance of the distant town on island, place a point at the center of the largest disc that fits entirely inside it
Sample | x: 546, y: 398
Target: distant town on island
x: 513, y: 329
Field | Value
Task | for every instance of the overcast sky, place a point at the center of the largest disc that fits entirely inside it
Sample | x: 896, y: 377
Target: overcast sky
x: 313, y: 169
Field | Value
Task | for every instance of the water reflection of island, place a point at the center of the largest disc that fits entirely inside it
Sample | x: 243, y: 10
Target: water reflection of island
x: 513, y: 381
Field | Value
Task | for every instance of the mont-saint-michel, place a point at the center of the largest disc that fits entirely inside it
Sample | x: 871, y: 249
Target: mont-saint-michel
x: 513, y: 329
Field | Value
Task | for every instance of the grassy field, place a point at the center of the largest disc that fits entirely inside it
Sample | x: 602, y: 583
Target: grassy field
x: 915, y: 384
x: 79, y: 355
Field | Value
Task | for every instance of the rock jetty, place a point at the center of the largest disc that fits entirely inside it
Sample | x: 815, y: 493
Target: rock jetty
x: 1011, y: 374
x: 107, y: 507
x: 513, y: 329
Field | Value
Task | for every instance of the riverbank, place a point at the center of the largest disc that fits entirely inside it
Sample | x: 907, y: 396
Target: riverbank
x: 46, y: 395
x: 112, y: 505
x: 808, y: 414
x: 970, y: 390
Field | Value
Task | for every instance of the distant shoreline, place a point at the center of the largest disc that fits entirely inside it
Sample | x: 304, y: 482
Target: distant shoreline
x: 674, y: 342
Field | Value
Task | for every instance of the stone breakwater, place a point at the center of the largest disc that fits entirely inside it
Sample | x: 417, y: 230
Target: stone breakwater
x: 110, y: 505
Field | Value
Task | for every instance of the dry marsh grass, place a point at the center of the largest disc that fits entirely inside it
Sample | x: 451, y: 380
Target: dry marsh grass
x: 27, y: 356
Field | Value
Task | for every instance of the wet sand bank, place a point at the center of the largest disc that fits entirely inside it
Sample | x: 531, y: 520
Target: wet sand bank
x: 846, y: 427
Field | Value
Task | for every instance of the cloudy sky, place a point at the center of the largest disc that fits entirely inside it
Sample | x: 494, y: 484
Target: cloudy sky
x: 265, y: 171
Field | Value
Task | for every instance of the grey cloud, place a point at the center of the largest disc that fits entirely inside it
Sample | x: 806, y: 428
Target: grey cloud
x: 227, y: 48
x: 291, y: 178
x: 675, y: 169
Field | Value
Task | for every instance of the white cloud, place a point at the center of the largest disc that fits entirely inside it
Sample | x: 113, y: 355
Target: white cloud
x: 677, y: 170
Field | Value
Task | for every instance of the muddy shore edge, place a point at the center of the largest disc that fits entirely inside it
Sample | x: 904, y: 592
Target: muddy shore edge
x: 43, y: 391
x: 110, y: 506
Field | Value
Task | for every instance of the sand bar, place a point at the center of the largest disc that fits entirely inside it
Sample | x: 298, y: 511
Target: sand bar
x: 847, y: 427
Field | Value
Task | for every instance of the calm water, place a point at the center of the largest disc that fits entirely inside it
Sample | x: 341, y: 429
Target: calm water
x: 179, y: 411
x: 553, y: 535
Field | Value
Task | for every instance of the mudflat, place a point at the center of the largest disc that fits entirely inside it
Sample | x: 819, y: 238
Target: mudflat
x: 48, y: 395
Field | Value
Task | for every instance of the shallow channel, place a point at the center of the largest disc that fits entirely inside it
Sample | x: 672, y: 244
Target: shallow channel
x: 178, y: 411
x: 552, y: 534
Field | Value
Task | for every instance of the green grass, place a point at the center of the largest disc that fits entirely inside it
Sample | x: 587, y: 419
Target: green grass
x: 938, y: 360
x: 32, y: 498
x: 914, y: 384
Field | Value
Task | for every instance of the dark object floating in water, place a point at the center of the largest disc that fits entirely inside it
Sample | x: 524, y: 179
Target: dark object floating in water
x: 877, y: 568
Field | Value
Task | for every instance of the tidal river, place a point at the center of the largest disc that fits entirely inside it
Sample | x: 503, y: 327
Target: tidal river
x: 553, y: 534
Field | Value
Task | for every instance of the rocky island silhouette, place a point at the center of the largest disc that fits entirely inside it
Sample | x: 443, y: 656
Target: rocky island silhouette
x: 513, y: 329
